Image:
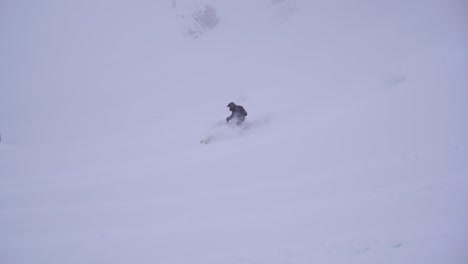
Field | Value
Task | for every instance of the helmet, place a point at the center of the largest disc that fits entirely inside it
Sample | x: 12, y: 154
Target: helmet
x: 231, y: 104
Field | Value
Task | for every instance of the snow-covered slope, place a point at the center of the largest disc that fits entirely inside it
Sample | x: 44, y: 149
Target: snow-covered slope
x: 355, y: 148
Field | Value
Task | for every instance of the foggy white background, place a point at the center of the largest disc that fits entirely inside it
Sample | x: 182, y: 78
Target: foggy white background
x: 356, y: 151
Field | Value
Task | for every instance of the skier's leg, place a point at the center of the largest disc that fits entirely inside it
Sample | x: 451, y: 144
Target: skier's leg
x: 240, y: 120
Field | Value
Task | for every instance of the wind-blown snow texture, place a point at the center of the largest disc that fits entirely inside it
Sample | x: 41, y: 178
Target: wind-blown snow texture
x: 356, y: 149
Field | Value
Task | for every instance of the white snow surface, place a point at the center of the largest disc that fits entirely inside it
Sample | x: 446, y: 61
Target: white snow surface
x: 355, y: 149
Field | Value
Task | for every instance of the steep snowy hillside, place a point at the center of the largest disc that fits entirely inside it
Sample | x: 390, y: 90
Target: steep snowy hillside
x: 354, y: 150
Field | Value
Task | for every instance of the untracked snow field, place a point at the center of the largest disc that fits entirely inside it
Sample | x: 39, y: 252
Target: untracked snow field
x: 354, y: 150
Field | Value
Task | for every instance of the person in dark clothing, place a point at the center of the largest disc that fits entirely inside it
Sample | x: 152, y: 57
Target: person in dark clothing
x: 238, y: 113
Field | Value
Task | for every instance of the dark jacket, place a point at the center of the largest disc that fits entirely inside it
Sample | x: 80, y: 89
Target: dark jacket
x: 238, y: 112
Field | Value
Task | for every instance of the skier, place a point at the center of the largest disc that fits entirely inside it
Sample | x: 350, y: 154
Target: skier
x: 238, y: 113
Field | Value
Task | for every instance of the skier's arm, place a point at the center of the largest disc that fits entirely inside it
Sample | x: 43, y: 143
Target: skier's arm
x: 230, y: 117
